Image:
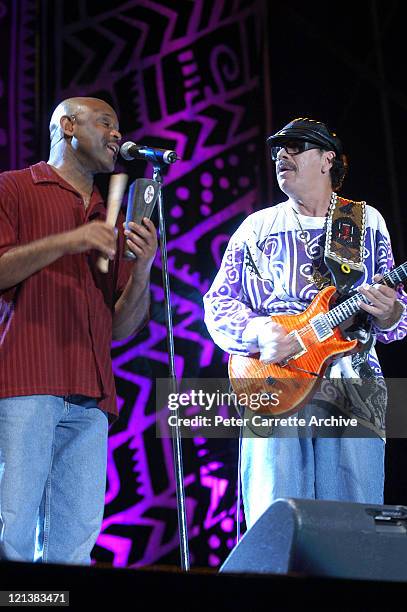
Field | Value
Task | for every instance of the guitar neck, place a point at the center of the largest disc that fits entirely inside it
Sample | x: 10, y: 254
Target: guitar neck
x: 344, y: 311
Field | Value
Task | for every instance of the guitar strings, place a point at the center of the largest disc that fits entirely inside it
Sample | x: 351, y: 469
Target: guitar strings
x: 303, y: 331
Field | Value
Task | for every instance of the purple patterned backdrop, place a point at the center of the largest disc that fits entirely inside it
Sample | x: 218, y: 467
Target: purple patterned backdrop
x: 182, y: 75
x: 18, y: 86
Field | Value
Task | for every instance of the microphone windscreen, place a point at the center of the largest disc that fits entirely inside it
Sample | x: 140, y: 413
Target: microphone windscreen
x: 125, y: 150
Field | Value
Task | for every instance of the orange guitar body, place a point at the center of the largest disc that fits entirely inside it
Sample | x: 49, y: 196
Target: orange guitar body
x: 290, y: 386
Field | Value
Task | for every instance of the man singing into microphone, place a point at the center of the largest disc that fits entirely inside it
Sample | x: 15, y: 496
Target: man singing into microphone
x: 58, y: 315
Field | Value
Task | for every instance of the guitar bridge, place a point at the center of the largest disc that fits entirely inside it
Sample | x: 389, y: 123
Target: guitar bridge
x: 301, y: 348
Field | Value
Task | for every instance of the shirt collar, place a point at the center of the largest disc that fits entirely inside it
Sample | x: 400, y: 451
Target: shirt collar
x: 44, y: 173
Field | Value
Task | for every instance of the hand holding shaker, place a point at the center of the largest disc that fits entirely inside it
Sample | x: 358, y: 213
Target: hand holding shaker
x: 143, y: 194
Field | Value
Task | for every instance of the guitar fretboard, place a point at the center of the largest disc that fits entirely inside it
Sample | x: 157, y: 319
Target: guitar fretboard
x: 344, y: 311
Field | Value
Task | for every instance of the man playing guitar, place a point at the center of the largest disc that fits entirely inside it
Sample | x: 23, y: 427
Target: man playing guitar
x: 276, y: 264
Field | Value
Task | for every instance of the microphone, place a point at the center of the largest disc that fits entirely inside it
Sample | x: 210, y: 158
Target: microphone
x: 130, y: 150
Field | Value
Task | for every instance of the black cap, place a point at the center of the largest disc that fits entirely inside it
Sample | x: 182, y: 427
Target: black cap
x: 309, y: 130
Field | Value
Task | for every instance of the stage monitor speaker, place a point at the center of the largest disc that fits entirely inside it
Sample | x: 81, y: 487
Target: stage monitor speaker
x: 325, y: 538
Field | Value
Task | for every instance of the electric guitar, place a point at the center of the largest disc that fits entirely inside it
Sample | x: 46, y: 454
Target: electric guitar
x: 285, y: 387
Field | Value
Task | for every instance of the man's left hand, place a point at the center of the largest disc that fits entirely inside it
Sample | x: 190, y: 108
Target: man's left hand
x: 142, y: 241
x: 383, y: 303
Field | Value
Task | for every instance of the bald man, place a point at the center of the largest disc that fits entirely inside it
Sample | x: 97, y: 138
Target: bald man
x: 58, y: 315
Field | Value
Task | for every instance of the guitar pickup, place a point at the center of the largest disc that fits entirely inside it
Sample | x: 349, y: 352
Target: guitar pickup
x: 321, y: 327
x: 301, y: 348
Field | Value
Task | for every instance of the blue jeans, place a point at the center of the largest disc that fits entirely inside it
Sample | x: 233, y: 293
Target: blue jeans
x: 331, y: 468
x: 53, y: 453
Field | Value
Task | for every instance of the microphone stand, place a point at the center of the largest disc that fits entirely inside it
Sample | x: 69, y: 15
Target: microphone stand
x: 175, y: 430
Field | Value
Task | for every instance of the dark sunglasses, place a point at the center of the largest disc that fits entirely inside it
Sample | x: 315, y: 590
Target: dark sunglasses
x: 293, y: 147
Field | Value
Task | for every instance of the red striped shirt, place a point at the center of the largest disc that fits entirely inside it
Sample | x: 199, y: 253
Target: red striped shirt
x: 56, y: 326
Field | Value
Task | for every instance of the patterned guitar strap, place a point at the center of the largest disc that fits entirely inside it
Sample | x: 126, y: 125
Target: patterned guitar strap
x: 344, y: 247
x: 345, y: 239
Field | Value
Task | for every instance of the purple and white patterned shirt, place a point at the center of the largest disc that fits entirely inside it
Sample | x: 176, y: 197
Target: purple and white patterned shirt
x: 265, y: 270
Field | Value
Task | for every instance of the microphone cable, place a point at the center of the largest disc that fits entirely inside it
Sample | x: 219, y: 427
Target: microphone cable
x: 239, y: 410
x: 239, y: 485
